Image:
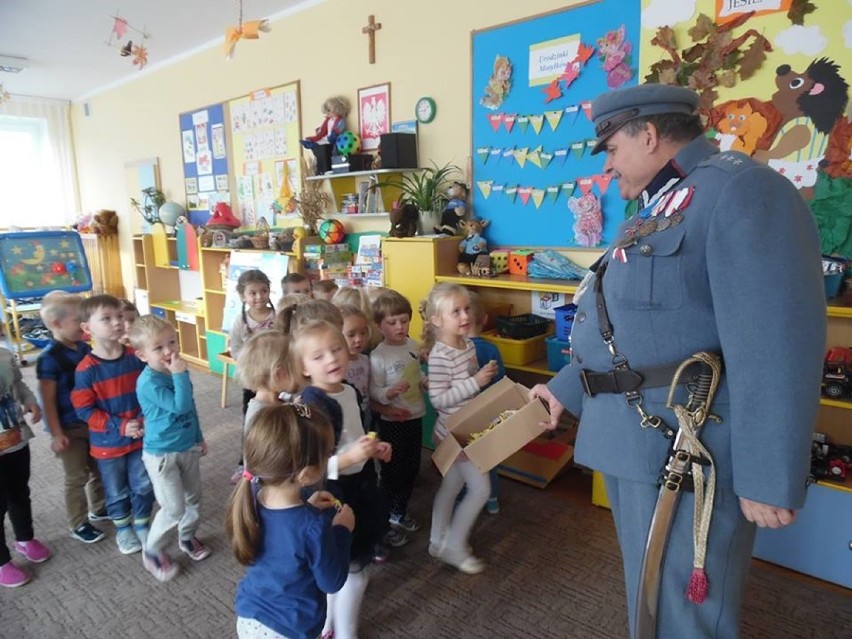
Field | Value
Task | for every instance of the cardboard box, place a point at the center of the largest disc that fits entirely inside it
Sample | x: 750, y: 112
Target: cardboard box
x: 500, y: 442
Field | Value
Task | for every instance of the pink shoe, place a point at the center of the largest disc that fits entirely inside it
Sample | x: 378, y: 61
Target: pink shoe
x: 11, y: 576
x: 33, y: 550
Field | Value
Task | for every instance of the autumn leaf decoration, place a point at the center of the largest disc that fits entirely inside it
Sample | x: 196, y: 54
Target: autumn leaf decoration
x: 716, y: 57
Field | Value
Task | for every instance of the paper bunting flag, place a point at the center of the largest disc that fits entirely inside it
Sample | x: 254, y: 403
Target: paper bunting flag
x: 509, y: 153
x: 572, y: 109
x: 577, y: 148
x: 509, y: 121
x: 587, y: 109
x: 591, y: 143
x: 536, y: 121
x: 602, y: 180
x: 553, y: 192
x: 537, y: 197
x: 585, y: 184
x: 534, y: 156
x: 523, y: 121
x: 497, y: 188
x: 496, y: 119
x: 553, y: 118
x: 485, y: 187
x: 521, y: 156
x: 545, y: 159
x: 119, y: 27
x: 562, y: 154
x: 568, y: 188
x: 495, y: 153
x: 482, y: 153
x: 511, y: 192
x: 525, y: 192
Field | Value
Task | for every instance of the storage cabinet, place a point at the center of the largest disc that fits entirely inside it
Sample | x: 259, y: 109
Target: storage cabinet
x: 104, y: 259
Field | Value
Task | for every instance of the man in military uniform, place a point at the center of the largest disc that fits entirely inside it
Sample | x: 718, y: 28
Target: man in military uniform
x: 723, y: 258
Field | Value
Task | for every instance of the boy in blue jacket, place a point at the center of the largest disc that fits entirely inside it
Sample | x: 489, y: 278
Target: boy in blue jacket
x: 172, y: 445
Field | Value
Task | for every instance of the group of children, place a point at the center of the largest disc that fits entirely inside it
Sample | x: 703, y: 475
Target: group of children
x: 123, y: 422
x: 331, y: 441
x: 348, y: 483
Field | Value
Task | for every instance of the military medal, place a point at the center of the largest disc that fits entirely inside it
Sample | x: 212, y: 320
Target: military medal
x: 625, y: 241
x: 675, y: 219
x: 648, y: 227
x: 663, y: 223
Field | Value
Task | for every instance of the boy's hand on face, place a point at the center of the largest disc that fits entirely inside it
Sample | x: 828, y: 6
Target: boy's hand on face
x: 177, y: 364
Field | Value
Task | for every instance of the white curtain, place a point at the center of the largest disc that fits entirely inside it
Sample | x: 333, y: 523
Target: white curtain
x: 38, y: 177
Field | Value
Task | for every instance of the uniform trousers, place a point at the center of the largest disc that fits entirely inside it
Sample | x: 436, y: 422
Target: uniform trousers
x: 83, y: 491
x: 398, y: 475
x: 15, y: 498
x: 729, y: 547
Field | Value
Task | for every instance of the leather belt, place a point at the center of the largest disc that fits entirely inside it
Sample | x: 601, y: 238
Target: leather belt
x: 628, y: 380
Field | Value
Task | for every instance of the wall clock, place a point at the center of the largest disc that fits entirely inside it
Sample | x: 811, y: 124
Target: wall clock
x: 425, y: 110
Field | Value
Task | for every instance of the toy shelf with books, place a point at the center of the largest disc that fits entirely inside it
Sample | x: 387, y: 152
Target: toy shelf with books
x: 357, y: 183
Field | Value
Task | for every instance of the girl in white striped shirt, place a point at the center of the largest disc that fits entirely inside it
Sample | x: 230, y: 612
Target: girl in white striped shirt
x: 454, y: 378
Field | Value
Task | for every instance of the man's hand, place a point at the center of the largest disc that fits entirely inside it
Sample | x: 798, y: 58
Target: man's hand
x: 540, y: 391
x: 766, y: 516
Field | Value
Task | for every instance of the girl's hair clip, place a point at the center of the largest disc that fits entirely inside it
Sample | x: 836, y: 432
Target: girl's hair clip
x: 302, y: 410
x: 251, y: 478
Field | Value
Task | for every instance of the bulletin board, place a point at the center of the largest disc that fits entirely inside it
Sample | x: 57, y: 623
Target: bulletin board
x: 265, y: 129
x: 33, y: 263
x: 205, y: 161
x: 532, y: 132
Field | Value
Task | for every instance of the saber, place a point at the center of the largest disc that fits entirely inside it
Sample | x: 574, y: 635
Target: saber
x: 677, y: 469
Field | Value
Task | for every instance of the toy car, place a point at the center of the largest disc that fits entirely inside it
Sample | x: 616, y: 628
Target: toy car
x: 837, y: 372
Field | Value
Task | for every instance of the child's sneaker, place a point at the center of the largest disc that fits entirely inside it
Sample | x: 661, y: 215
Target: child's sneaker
x: 381, y: 554
x: 238, y: 473
x: 160, y: 566
x: 101, y: 516
x: 87, y: 533
x: 406, y: 523
x: 395, y: 538
x: 464, y: 562
x: 33, y: 550
x: 493, y: 506
x: 11, y: 576
x: 128, y: 542
x: 194, y: 548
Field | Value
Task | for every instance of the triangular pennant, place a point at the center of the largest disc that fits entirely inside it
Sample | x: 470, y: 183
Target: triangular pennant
x: 508, y: 152
x: 602, y: 180
x: 585, y: 184
x: 534, y: 156
x: 545, y: 159
x: 536, y: 121
x: 577, y: 148
x: 587, y: 109
x: 485, y: 187
x: 509, y: 120
x: 496, y: 119
x: 521, y: 156
x: 591, y: 143
x: 525, y: 192
x: 568, y: 188
x: 553, y: 118
x: 511, y: 192
x: 495, y: 153
x: 497, y: 188
x: 537, y: 197
x: 523, y: 121
x: 482, y: 153
x: 562, y: 154
x: 553, y: 192
x: 572, y: 111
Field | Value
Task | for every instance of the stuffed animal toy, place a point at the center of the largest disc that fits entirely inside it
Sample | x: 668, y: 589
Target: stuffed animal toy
x: 105, y: 223
x: 454, y: 211
x: 588, y: 219
x: 335, y: 111
x: 404, y: 221
x: 473, y: 245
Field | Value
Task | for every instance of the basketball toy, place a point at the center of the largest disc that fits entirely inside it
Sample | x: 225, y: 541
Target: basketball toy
x: 332, y: 232
x: 348, y: 143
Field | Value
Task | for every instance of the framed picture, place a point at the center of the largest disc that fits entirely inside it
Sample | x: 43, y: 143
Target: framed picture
x: 374, y: 116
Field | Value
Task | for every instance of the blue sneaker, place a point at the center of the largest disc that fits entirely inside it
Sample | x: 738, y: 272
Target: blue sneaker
x: 128, y: 542
x: 87, y: 533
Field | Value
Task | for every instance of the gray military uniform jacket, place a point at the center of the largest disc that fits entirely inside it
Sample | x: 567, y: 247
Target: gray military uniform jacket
x: 739, y: 275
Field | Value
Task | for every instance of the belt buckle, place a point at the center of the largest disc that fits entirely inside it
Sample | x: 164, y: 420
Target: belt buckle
x: 585, y: 381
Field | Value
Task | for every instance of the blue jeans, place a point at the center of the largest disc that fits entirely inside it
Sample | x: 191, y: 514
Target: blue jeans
x: 127, y: 489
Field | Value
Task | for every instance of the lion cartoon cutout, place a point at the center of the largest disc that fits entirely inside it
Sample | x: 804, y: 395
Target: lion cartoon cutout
x: 810, y: 104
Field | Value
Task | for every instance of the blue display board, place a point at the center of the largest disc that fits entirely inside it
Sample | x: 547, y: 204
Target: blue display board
x: 205, y: 161
x: 533, y: 83
x: 33, y: 263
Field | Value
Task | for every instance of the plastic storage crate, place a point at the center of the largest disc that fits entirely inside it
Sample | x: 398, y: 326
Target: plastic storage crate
x: 564, y: 320
x: 558, y: 353
x: 517, y: 352
x: 522, y: 326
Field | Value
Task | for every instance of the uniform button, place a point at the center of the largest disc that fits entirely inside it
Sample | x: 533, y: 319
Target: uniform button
x: 579, y: 358
x: 581, y: 317
x: 646, y: 250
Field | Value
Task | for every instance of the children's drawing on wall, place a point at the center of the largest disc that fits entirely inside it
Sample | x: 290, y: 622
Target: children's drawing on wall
x: 217, y: 135
x: 614, y: 52
x: 499, y: 84
x: 188, y: 146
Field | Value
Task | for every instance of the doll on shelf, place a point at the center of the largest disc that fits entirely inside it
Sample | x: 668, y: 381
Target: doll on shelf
x: 335, y: 111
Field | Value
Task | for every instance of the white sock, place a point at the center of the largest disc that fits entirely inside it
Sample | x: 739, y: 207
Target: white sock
x: 347, y: 605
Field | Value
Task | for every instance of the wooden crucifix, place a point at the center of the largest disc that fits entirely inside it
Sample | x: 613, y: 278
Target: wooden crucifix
x: 370, y: 30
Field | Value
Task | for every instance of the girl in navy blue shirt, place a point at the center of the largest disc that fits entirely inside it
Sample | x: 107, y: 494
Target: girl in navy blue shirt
x: 296, y: 552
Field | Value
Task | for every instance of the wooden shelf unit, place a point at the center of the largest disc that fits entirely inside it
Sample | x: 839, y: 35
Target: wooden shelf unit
x: 344, y: 183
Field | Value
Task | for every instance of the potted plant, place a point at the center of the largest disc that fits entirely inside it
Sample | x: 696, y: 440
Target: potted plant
x: 149, y: 208
x: 426, y: 189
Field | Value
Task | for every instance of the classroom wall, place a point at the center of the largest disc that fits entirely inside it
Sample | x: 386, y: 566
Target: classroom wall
x: 422, y: 49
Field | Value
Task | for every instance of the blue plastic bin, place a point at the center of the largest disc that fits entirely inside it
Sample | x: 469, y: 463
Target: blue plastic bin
x: 564, y: 320
x: 558, y: 353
